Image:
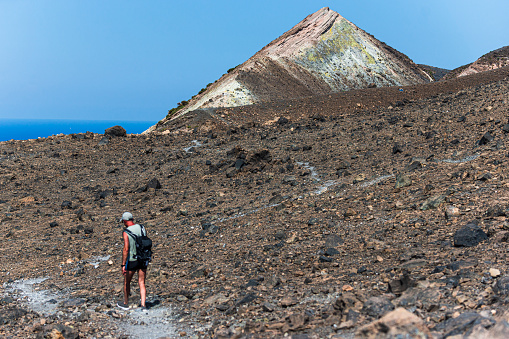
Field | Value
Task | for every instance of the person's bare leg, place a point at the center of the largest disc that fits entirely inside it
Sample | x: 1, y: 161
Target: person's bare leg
x: 141, y: 282
x: 127, y: 286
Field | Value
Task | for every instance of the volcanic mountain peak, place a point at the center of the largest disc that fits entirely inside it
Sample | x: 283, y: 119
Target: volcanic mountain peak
x: 304, y: 35
x: 323, y: 54
x: 493, y: 60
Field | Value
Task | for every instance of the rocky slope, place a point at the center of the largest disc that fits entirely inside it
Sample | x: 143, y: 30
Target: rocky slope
x: 325, y: 217
x: 492, y: 60
x: 324, y: 53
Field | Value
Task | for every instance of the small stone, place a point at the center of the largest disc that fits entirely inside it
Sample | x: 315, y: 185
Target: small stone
x: 268, y: 307
x: 486, y: 138
x: 347, y: 288
x: 452, y: 212
x: 494, y: 272
x: 288, y: 301
x: 403, y: 181
x: 432, y: 202
x: 397, y: 148
x: 377, y: 307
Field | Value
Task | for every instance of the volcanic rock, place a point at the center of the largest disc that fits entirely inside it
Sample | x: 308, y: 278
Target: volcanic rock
x: 115, y: 131
x: 469, y: 235
x: 398, y: 323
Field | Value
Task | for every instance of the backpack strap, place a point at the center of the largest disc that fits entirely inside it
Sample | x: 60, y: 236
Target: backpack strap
x: 143, y: 231
x: 131, y: 234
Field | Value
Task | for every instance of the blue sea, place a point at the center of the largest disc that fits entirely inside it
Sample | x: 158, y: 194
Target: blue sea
x: 18, y: 129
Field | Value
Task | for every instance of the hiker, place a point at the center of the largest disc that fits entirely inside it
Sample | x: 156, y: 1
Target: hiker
x: 130, y: 264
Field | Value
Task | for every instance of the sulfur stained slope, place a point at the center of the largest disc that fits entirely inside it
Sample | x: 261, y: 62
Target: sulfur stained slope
x: 324, y: 53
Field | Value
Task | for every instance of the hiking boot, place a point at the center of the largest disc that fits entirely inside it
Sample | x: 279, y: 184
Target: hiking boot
x: 122, y: 305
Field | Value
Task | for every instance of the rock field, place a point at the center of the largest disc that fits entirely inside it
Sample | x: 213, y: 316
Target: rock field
x: 371, y: 214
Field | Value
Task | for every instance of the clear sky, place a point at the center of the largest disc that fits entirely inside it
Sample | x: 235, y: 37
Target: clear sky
x: 134, y: 60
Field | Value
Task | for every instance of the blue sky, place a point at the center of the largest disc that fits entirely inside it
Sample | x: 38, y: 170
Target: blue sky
x: 134, y: 60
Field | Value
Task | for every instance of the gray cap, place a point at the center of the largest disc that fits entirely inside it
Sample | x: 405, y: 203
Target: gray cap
x: 126, y: 216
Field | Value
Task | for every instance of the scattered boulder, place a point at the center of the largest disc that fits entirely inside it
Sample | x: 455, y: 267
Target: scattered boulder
x: 104, y: 141
x: 486, y: 139
x: 469, y: 235
x: 501, y: 287
x: 463, y: 324
x: 397, y: 148
x: 427, y: 298
x: 432, y: 202
x: 402, y: 181
x: 377, y: 307
x: 153, y: 183
x: 452, y: 212
x: 398, y: 286
x: 116, y: 131
x: 399, y: 323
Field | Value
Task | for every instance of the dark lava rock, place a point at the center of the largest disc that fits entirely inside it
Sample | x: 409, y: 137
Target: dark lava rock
x: 427, y: 298
x: 397, y: 148
x: 463, y: 325
x: 247, y: 299
x: 324, y: 259
x: 10, y: 315
x: 268, y: 307
x: 209, y: 228
x: 331, y: 251
x: 74, y: 302
x: 66, y: 205
x: 200, y: 273
x: 398, y: 286
x: 485, y: 177
x: 347, y: 301
x: 282, y: 121
x: 486, y: 138
x: 58, y: 331
x: 496, y: 211
x: 313, y: 221
x: 502, y: 286
x: 53, y: 224
x: 154, y: 183
x: 414, y: 166
x: 333, y: 240
x: 116, y: 131
x: 469, y: 235
x: 290, y: 180
x: 239, y: 164
x: 377, y: 307
x: 104, y: 141
x: 342, y: 165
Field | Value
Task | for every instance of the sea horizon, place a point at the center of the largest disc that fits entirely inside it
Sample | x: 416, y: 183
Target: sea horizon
x: 24, y: 129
